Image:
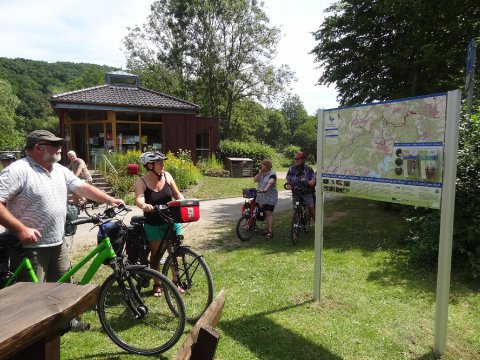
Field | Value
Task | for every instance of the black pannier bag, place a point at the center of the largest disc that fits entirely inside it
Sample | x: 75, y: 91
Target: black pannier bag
x: 116, y: 231
x: 136, y: 245
x: 72, y: 214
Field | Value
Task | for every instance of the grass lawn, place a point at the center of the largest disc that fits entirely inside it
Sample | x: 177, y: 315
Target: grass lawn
x: 374, y: 304
x: 217, y: 188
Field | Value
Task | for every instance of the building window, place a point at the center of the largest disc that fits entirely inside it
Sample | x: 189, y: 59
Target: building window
x: 202, y: 145
x: 93, y: 115
x: 127, y: 137
x: 152, y: 137
x: 126, y: 116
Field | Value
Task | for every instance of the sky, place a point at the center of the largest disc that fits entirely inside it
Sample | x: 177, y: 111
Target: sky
x: 91, y: 31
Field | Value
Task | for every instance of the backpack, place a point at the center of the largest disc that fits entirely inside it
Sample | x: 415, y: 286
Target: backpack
x: 72, y: 214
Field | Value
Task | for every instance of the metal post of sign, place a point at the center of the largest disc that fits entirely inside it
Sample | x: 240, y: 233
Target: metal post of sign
x: 318, y: 249
x: 470, y: 74
x: 446, y: 221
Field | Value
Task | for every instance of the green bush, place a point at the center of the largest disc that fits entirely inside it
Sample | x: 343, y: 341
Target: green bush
x: 211, y: 164
x: 253, y: 150
x: 182, y: 169
x: 290, y: 150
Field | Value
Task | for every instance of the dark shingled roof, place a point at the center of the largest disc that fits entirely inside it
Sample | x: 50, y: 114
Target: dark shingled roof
x: 122, y: 96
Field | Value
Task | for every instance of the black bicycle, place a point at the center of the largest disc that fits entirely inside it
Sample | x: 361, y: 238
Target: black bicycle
x: 187, y: 269
x: 301, y: 216
x: 90, y: 207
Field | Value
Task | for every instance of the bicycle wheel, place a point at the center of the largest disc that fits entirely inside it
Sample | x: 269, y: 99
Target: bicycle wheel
x: 245, y: 227
x: 92, y: 208
x: 306, y: 220
x: 296, y: 224
x: 136, y: 320
x: 195, y: 280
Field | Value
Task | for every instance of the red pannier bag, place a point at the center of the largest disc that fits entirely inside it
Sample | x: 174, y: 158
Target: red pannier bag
x: 183, y: 211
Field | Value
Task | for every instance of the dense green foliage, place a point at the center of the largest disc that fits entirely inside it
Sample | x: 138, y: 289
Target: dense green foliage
x: 237, y: 149
x: 10, y: 138
x: 212, y: 53
x: 181, y: 167
x: 379, y: 50
x: 34, y: 82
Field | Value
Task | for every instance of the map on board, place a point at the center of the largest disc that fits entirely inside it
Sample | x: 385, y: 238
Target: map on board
x: 389, y: 151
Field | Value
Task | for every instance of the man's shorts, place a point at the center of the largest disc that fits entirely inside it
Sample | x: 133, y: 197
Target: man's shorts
x: 267, y: 207
x: 307, y: 199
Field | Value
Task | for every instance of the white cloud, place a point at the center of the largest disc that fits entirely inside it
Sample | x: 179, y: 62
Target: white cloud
x: 92, y: 31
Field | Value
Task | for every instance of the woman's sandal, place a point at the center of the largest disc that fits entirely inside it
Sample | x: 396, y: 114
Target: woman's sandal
x: 269, y: 235
x: 179, y: 287
x: 157, y: 290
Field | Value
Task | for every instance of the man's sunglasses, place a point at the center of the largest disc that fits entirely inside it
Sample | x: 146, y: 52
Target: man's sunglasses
x: 297, y: 158
x: 53, y: 144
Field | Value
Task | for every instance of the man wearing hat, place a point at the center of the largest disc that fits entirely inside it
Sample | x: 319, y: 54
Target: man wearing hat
x: 33, y: 203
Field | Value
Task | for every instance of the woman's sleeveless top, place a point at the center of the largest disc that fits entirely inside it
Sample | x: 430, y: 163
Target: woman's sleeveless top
x: 161, y: 197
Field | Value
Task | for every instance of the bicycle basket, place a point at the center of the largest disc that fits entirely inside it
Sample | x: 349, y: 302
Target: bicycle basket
x: 249, y: 193
x: 116, y: 232
x: 183, y: 211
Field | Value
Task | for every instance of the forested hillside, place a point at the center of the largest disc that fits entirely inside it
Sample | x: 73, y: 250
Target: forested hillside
x: 33, y: 82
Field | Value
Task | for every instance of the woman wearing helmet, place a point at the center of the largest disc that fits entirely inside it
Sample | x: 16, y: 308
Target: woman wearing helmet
x: 156, y: 187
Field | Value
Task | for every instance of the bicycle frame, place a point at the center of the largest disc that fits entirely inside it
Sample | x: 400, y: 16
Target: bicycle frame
x: 252, y: 209
x: 102, y: 252
x: 24, y: 264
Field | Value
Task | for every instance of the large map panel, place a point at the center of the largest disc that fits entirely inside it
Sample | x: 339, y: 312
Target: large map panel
x: 389, y: 151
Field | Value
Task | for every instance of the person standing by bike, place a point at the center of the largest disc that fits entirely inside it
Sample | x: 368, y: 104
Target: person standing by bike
x: 301, y: 176
x: 267, y: 194
x: 156, y: 187
x: 33, y: 199
x: 79, y: 168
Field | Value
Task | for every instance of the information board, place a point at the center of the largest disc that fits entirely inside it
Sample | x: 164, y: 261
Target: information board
x: 388, y: 151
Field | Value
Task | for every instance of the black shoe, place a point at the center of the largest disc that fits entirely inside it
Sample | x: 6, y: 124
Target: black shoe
x: 78, y: 325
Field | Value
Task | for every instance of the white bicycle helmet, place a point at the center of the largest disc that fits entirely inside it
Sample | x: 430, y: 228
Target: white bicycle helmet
x: 8, y: 157
x: 151, y: 156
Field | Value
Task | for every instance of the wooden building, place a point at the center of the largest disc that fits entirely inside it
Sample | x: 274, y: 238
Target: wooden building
x: 121, y: 115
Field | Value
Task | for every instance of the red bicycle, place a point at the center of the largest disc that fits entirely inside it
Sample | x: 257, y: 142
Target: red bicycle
x: 251, y: 213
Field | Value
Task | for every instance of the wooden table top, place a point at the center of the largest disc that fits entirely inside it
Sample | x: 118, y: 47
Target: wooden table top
x: 29, y: 311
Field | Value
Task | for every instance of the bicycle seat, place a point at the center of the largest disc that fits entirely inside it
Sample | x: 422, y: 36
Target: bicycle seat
x: 8, y: 240
x: 137, y: 219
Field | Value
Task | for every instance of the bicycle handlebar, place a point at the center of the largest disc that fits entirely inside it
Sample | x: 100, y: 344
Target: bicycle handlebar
x: 108, y: 214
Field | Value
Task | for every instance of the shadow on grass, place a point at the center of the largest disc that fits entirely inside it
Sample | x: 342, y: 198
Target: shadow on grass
x: 268, y: 340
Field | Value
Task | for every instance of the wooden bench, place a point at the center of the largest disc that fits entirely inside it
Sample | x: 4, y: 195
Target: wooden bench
x: 202, y: 340
x: 32, y: 316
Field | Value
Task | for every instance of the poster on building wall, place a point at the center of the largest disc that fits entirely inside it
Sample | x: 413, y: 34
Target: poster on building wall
x: 388, y: 151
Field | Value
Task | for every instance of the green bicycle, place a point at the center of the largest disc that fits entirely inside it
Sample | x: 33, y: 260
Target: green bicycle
x: 132, y: 317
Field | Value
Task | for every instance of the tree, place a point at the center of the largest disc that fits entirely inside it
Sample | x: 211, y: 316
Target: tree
x: 214, y: 53
x: 294, y: 112
x: 386, y: 49
x: 306, y: 137
x: 10, y: 138
x: 248, y: 122
x: 276, y: 133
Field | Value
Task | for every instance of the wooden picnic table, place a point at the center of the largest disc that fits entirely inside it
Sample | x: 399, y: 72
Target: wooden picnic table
x: 33, y: 315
